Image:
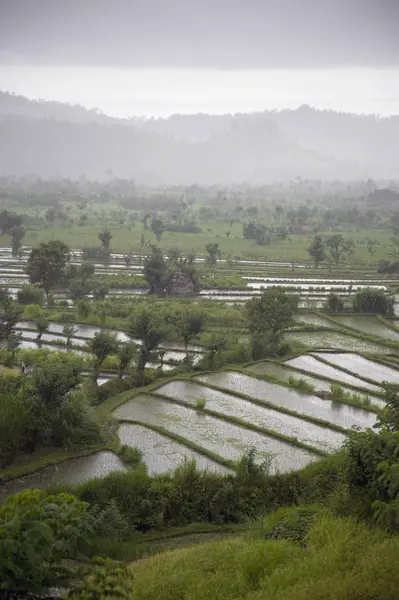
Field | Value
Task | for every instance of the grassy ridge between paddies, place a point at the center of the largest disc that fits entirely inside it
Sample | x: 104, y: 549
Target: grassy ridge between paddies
x: 338, y: 559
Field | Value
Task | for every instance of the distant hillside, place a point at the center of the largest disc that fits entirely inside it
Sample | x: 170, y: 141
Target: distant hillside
x: 51, y: 138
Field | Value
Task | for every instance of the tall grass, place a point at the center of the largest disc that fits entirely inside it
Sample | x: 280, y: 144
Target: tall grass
x: 342, y: 560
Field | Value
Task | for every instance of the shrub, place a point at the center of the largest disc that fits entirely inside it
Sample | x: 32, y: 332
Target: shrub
x: 38, y: 532
x: 105, y: 580
x: 14, y: 423
x: 334, y: 303
x: 301, y: 384
x: 373, y: 301
x: 31, y: 294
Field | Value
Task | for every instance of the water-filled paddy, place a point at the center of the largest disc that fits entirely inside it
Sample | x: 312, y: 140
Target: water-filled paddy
x: 284, y: 373
x: 227, y: 404
x: 68, y: 472
x: 331, y: 339
x: 306, y: 362
x: 327, y: 410
x: 368, y: 325
x: 161, y: 454
x: 225, y: 439
x: 362, y: 366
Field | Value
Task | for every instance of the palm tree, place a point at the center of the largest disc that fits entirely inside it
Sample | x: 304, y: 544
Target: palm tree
x: 125, y: 352
x: 145, y: 328
x: 69, y: 331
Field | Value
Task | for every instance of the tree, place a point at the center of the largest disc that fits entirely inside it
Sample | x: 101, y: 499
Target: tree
x: 368, y: 300
x: 100, y: 291
x: 157, y: 228
x: 156, y: 271
x: 191, y: 326
x: 126, y: 352
x: 105, y: 237
x: 215, y: 348
x: 8, y: 220
x: 150, y: 332
x: 338, y: 247
x: 17, y: 235
x: 39, y: 532
x: 269, y: 316
x: 317, y: 250
x: 334, y: 303
x: 46, y: 264
x: 9, y: 317
x: 69, y: 331
x: 214, y: 253
x: 30, y: 294
x: 78, y: 289
x: 101, y: 345
x: 42, y: 326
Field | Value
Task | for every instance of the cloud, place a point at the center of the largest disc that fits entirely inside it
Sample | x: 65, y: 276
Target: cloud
x: 201, y: 33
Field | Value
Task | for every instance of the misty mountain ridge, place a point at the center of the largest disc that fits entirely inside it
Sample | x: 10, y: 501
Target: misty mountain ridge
x: 53, y: 138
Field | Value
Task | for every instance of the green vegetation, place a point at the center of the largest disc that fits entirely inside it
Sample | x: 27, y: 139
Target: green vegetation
x: 327, y: 531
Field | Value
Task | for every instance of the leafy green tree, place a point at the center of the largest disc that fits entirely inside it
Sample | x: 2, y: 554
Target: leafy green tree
x: 317, y: 250
x: 334, y: 303
x: 157, y: 228
x: 126, y: 352
x: 30, y: 294
x: 214, y: 253
x: 102, y: 344
x: 150, y: 332
x: 215, y: 347
x: 83, y: 309
x: 269, y: 316
x: 8, y: 220
x: 17, y: 235
x: 100, y: 291
x: 46, y: 264
x: 368, y: 300
x: 69, y: 331
x: 191, y: 326
x: 41, y: 324
x: 38, y: 533
x: 105, y: 237
x: 79, y: 289
x: 9, y: 316
x: 338, y: 247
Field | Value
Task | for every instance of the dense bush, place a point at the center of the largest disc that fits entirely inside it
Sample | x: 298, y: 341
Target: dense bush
x: 190, y: 495
x: 31, y: 294
x: 334, y: 303
x: 373, y: 301
x: 38, y: 532
x: 43, y: 409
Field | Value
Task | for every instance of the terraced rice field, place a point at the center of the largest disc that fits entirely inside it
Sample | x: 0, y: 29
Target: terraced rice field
x: 312, y: 406
x: 68, y: 472
x: 224, y: 439
x: 335, y: 340
x: 368, y: 325
x: 307, y: 362
x: 161, y: 454
x: 233, y: 406
x: 284, y: 373
x: 361, y: 366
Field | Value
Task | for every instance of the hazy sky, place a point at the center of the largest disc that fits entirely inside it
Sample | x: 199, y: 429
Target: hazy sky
x: 160, y: 57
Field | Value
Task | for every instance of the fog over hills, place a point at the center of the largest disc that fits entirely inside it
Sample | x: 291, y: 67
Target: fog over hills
x: 51, y: 138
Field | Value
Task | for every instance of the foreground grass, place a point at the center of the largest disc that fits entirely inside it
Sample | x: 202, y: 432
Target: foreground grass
x: 341, y: 560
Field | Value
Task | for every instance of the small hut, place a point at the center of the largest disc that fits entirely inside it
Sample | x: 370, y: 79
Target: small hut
x: 180, y: 284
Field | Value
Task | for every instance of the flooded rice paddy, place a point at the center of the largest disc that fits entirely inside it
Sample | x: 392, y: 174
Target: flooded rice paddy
x: 361, y: 366
x: 305, y: 404
x: 160, y: 453
x: 233, y: 406
x: 216, y: 435
x: 306, y: 362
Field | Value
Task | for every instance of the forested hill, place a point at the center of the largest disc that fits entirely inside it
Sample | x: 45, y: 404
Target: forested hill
x: 51, y: 138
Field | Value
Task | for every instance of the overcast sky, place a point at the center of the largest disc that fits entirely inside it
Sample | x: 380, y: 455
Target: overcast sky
x: 163, y: 56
